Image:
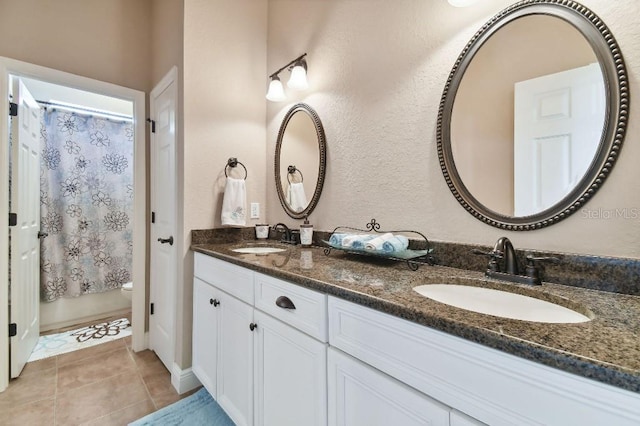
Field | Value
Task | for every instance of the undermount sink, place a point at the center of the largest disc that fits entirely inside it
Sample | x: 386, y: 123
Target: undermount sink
x: 500, y: 303
x: 258, y: 250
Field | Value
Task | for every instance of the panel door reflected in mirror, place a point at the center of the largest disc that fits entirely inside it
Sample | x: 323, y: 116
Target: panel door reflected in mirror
x: 528, y: 116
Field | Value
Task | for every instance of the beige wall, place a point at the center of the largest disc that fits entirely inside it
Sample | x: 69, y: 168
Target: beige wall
x: 103, y: 40
x: 224, y: 113
x: 377, y: 69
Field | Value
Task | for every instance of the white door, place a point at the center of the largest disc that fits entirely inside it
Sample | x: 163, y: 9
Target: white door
x: 290, y: 377
x: 206, y: 324
x: 163, y: 267
x: 25, y: 244
x: 361, y: 395
x: 558, y: 125
x: 235, y: 360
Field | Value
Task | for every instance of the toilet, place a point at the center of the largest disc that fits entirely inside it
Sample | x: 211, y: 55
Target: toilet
x: 127, y: 290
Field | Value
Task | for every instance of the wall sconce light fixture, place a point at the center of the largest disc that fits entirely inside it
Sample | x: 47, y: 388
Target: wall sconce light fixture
x: 297, y: 80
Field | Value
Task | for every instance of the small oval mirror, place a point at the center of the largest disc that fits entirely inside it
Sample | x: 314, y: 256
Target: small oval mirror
x: 300, y: 161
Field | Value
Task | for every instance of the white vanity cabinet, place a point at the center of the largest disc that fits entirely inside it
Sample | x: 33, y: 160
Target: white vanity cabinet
x: 489, y: 385
x: 206, y: 324
x: 361, y: 395
x: 223, y: 342
x: 265, y: 363
x: 275, y: 353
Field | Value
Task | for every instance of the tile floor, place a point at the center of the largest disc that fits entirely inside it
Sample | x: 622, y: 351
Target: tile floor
x: 107, y: 384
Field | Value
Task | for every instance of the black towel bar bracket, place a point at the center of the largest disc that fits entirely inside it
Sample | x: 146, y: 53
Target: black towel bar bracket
x: 291, y: 171
x: 232, y: 163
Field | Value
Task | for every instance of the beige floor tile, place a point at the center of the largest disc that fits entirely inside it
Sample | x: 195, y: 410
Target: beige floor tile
x: 159, y: 384
x: 98, y: 399
x: 92, y: 351
x: 38, y: 366
x: 33, y: 413
x: 125, y: 415
x: 30, y: 388
x: 148, y: 363
x: 93, y: 369
x: 168, y: 398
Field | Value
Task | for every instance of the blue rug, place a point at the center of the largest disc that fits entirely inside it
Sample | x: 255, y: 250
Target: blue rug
x: 195, y: 410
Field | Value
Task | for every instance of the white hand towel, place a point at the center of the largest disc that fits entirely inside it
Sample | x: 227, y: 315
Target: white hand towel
x: 234, y: 203
x: 376, y: 243
x: 297, y: 197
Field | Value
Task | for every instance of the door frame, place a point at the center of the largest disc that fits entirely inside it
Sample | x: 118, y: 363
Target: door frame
x: 23, y: 69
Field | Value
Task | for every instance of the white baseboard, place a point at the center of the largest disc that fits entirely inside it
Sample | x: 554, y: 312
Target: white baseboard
x: 183, y: 380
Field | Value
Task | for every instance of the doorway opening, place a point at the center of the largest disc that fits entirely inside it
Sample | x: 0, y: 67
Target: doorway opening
x: 68, y: 105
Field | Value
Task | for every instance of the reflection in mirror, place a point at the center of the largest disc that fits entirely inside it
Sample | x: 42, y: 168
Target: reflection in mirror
x: 533, y: 115
x: 535, y: 125
x: 300, y: 161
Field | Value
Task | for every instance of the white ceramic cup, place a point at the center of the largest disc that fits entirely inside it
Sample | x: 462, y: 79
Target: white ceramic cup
x: 262, y: 231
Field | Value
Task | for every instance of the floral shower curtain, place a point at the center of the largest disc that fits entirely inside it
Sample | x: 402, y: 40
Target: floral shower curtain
x: 86, y: 198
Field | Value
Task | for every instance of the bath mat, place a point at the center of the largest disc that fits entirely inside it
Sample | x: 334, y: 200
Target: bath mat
x: 198, y: 409
x: 72, y: 340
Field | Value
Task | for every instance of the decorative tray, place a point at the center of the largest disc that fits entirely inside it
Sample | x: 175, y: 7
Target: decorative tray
x: 418, y: 254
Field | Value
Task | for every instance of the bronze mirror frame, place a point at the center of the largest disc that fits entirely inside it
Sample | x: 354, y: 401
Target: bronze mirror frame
x: 614, y: 73
x: 322, y: 150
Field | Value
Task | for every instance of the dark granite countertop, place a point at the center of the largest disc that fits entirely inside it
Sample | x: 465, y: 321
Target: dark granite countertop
x: 606, y: 349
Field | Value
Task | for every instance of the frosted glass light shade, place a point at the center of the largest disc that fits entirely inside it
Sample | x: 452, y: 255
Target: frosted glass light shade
x: 298, y: 79
x: 276, y: 91
x: 462, y: 3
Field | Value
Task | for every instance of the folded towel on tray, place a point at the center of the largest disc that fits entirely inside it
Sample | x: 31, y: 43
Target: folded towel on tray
x: 375, y: 244
x: 396, y: 244
x: 336, y: 239
x: 356, y: 241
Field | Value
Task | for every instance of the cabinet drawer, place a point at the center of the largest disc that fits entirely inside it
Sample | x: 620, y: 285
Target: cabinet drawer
x: 309, y: 314
x: 233, y: 279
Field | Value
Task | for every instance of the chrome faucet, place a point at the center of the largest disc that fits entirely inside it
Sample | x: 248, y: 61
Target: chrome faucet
x: 288, y: 236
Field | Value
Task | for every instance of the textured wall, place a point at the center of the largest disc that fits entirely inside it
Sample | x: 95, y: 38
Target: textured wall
x: 103, y: 40
x: 224, y: 113
x: 377, y: 69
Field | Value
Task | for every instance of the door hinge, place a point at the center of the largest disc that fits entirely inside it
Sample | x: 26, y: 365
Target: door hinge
x: 151, y: 309
x: 13, y: 329
x: 153, y: 217
x: 153, y: 125
x: 13, y: 109
x: 13, y: 219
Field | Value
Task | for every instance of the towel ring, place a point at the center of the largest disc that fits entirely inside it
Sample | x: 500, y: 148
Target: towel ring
x: 292, y: 170
x: 233, y: 162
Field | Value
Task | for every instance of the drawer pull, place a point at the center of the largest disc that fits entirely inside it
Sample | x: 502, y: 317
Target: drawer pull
x: 253, y: 326
x: 285, y: 303
x: 214, y: 302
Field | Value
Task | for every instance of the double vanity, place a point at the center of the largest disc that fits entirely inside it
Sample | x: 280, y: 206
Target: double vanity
x: 299, y: 337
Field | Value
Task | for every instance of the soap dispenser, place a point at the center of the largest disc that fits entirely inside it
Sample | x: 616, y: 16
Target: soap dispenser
x: 306, y: 232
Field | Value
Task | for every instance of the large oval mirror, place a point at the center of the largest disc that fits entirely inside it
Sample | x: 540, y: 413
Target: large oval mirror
x: 300, y: 161
x: 533, y: 115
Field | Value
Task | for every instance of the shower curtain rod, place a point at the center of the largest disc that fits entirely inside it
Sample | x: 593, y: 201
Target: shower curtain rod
x: 79, y: 108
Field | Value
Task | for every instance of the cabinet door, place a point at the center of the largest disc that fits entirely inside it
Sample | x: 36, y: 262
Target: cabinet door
x: 290, y: 375
x: 235, y: 360
x: 206, y: 322
x: 361, y: 395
